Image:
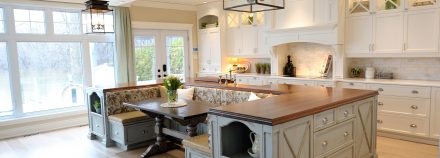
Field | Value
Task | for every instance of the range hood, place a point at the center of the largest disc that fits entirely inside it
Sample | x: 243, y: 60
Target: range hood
x: 321, y: 34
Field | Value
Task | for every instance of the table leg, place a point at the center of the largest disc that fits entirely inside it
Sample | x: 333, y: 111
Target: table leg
x: 161, y: 146
x: 191, y: 130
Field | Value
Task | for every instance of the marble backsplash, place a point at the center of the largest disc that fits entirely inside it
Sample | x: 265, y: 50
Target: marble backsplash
x: 309, y: 58
x: 403, y: 68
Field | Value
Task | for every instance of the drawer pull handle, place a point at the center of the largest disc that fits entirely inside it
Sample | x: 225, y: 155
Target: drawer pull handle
x: 325, y: 120
x: 116, y: 133
x: 380, y: 89
x: 346, y: 134
x: 97, y: 125
x: 143, y: 132
x: 414, y: 107
x: 324, y: 144
x: 345, y: 113
x: 380, y: 103
x: 415, y: 92
x: 413, y: 126
x: 379, y: 121
x: 351, y: 84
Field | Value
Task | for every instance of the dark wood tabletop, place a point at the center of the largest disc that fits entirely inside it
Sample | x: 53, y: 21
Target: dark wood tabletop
x: 192, y: 109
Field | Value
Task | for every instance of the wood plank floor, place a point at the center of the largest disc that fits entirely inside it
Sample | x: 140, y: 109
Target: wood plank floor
x: 73, y: 143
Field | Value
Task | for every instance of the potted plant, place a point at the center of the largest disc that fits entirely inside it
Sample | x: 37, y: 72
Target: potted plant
x: 356, y: 72
x: 97, y: 106
x: 267, y: 65
x: 263, y: 68
x: 258, y: 67
x: 172, y: 83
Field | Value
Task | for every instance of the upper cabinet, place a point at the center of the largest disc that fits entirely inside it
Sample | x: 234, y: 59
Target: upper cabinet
x: 392, y: 28
x: 245, y: 34
x: 209, y: 44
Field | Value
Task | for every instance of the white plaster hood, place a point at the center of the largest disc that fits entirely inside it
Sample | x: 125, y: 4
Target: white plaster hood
x: 322, y: 34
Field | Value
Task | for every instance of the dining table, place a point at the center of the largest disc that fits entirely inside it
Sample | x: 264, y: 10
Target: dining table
x: 190, y: 115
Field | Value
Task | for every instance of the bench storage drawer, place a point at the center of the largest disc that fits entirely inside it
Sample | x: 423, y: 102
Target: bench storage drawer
x: 97, y: 125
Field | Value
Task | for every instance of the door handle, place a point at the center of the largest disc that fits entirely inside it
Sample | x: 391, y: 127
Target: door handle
x: 164, y: 68
x: 158, y: 72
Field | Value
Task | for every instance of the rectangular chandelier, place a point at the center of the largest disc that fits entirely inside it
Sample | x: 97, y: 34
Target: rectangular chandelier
x: 252, y: 6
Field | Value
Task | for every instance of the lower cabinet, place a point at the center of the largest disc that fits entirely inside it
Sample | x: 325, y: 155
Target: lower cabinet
x: 132, y: 133
x: 365, y: 131
x: 435, y: 113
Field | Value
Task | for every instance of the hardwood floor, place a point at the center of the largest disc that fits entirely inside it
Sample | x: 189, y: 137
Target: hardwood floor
x: 73, y: 143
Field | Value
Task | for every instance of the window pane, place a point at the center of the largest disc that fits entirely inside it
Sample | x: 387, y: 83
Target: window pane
x: 175, y: 54
x: 50, y: 75
x: 145, y: 52
x: 29, y: 21
x: 5, y: 91
x: 103, y: 67
x: 2, y: 24
x: 66, y: 23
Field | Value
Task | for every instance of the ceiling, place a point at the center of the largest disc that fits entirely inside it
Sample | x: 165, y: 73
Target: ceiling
x: 122, y: 2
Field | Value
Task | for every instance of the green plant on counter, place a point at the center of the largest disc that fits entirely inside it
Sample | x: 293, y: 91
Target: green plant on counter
x: 97, y: 106
x: 356, y: 71
x: 258, y: 66
x: 267, y: 66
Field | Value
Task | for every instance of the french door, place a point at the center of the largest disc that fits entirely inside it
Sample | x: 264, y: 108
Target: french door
x: 160, y: 53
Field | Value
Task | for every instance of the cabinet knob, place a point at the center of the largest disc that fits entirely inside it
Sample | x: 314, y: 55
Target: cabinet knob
x: 143, y: 132
x: 116, y: 133
x: 414, y: 107
x: 97, y: 125
x: 380, y: 103
x: 380, y: 89
x: 413, y: 126
x: 325, y: 120
x: 324, y: 144
x: 379, y: 121
x: 346, y: 134
x: 415, y: 92
x: 351, y: 84
x: 306, y: 84
x: 345, y: 113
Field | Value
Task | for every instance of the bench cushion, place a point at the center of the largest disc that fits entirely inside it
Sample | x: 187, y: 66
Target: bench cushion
x: 199, y: 143
x: 128, y: 117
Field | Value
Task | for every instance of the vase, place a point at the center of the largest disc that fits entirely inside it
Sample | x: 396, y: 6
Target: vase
x: 172, y: 96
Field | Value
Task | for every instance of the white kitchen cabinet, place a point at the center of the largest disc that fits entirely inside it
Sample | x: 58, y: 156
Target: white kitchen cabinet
x: 233, y: 41
x: 359, y: 30
x: 209, y: 50
x: 249, y: 40
x: 358, y: 7
x: 388, y: 33
x: 421, y: 31
x: 297, y: 82
x: 351, y: 85
x: 435, y: 113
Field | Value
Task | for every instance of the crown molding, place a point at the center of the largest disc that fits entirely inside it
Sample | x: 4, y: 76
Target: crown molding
x: 162, y: 5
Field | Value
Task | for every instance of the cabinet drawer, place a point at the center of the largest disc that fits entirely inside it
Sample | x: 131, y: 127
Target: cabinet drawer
x: 334, y: 137
x: 403, y: 91
x: 97, y: 125
x: 404, y: 105
x: 324, y: 119
x: 403, y: 124
x: 255, y: 81
x: 344, y: 113
x: 140, y: 132
x: 352, y: 85
x: 269, y: 81
x: 344, y: 153
x: 297, y: 82
x: 242, y: 80
x: 116, y: 132
x: 325, y: 84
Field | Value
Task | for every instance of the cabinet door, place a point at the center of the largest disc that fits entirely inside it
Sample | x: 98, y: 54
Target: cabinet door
x: 435, y: 113
x: 215, y: 49
x: 249, y: 36
x: 204, y: 50
x: 294, y: 139
x: 233, y: 40
x: 421, y: 32
x: 365, y: 130
x: 388, y: 33
x: 358, y: 34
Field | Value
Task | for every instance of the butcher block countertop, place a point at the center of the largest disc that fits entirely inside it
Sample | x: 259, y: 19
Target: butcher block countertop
x: 293, y: 103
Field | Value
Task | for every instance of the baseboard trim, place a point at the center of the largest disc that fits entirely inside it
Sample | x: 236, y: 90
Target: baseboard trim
x: 39, y: 126
x: 417, y: 139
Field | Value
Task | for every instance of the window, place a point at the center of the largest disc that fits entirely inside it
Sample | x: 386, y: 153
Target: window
x: 2, y: 21
x: 5, y: 91
x: 51, y: 75
x: 103, y: 67
x: 66, y: 23
x: 29, y: 21
x: 175, y: 55
x: 145, y: 52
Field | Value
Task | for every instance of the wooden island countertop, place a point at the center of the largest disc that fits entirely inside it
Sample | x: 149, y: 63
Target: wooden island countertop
x: 294, y: 102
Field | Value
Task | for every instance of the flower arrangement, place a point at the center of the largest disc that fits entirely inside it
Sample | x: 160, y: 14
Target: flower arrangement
x: 172, y: 83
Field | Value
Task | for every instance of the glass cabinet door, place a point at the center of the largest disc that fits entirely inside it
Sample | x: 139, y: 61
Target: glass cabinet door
x: 358, y: 6
x: 233, y: 19
x: 421, y: 3
x: 388, y: 5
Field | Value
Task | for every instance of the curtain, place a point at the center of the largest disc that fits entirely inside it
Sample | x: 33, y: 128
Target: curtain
x: 124, y: 46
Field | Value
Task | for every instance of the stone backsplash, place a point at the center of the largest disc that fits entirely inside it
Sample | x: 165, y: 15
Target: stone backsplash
x: 403, y: 68
x: 309, y: 58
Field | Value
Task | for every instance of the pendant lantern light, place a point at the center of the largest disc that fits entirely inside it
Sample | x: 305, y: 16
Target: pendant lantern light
x: 253, y: 6
x: 98, y: 17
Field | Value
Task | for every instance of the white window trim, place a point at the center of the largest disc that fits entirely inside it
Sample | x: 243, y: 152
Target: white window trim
x: 11, y: 38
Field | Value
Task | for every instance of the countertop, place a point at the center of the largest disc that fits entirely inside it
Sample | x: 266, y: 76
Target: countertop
x: 294, y: 102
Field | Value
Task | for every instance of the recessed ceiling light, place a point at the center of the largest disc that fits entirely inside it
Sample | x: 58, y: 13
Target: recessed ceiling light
x: 205, y: 2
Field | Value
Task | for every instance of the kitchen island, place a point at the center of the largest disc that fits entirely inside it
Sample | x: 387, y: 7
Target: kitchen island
x: 301, y: 122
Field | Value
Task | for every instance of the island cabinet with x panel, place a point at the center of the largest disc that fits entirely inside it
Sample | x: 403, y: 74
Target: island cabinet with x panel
x: 293, y: 126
